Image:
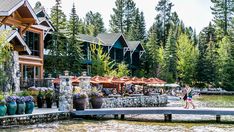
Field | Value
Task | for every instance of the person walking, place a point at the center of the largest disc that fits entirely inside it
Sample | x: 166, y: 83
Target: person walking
x: 189, y: 96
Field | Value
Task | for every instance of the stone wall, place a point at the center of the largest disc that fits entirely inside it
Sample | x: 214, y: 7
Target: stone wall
x: 140, y: 101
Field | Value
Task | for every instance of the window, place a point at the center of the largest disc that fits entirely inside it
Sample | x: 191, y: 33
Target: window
x: 33, y: 42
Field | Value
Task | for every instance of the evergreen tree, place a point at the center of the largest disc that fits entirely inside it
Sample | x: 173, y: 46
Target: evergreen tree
x: 170, y: 58
x: 129, y: 13
x: 186, y: 59
x: 117, y: 23
x: 223, y: 14
x: 207, y: 56
x: 137, y: 31
x: 222, y: 62
x: 123, y: 17
x: 57, y: 46
x: 228, y: 82
x: 74, y: 53
x: 164, y: 9
x: 95, y: 22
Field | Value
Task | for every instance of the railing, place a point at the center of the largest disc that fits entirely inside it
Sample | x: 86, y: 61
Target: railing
x: 24, y: 84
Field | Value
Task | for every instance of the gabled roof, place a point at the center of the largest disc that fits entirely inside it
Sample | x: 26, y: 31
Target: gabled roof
x: 7, y: 7
x: 132, y: 45
x: 11, y: 35
x: 90, y: 39
x: 43, y: 20
x: 109, y: 39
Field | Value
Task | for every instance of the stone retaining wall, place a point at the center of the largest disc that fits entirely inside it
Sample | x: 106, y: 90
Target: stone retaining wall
x: 140, y: 101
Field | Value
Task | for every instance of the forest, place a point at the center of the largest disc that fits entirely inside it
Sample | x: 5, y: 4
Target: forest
x: 175, y: 52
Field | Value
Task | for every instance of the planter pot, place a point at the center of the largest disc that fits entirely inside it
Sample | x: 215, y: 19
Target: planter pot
x: 20, y: 108
x: 40, y: 101
x: 96, y: 102
x: 29, y: 107
x: 80, y: 104
x: 11, y: 108
x: 3, y: 110
x: 49, y: 102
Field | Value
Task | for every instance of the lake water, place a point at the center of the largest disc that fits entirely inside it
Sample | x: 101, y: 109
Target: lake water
x: 149, y: 123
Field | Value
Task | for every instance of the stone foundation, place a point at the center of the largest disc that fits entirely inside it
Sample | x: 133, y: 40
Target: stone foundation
x: 140, y: 101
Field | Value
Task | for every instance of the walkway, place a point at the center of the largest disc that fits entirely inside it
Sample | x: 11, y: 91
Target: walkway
x: 167, y: 111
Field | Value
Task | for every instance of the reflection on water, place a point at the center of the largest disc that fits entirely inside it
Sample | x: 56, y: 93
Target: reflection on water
x: 151, y: 123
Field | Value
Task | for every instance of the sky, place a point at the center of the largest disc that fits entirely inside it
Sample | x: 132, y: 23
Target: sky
x: 194, y: 13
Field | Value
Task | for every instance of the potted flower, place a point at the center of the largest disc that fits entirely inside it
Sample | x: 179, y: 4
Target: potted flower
x: 40, y: 99
x: 49, y: 98
x: 80, y: 101
x: 96, y: 98
x: 3, y: 108
x: 11, y: 105
x: 20, y: 104
x: 29, y: 101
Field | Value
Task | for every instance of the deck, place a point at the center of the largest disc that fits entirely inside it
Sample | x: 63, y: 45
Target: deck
x: 166, y: 111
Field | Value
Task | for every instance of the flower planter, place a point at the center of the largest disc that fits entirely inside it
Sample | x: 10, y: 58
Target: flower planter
x: 49, y: 102
x: 29, y: 107
x: 80, y: 103
x: 40, y: 101
x: 3, y: 110
x: 20, y: 108
x: 11, y: 108
x: 96, y: 102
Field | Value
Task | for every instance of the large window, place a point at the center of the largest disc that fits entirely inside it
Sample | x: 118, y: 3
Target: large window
x: 33, y: 42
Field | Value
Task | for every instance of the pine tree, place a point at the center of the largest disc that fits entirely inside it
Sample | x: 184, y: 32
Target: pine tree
x: 170, y: 58
x: 164, y: 9
x: 207, y: 55
x: 74, y: 53
x: 142, y: 31
x: 95, y: 22
x: 57, y: 46
x: 122, y: 19
x: 134, y: 32
x: 223, y: 14
x: 222, y: 62
x: 129, y: 13
x: 117, y: 23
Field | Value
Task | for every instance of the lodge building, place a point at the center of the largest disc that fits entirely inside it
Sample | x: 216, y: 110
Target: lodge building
x: 29, y: 32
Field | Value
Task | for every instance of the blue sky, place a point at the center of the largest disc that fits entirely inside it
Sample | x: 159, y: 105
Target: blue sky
x: 194, y: 13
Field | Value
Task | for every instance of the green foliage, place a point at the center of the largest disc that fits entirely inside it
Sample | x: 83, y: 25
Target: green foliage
x: 101, y: 63
x: 187, y: 59
x: 137, y: 30
x: 94, y: 23
x: 222, y: 62
x: 164, y: 9
x: 122, y: 19
x: 5, y: 58
x: 223, y: 15
x: 122, y: 70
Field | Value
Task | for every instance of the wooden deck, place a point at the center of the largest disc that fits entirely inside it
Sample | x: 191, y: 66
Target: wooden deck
x: 166, y: 111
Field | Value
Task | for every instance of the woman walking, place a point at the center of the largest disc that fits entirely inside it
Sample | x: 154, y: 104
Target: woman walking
x: 189, y: 96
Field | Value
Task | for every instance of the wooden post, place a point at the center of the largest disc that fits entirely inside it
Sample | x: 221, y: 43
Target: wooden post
x: 122, y: 117
x: 218, y: 118
x: 167, y: 117
x: 116, y: 116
